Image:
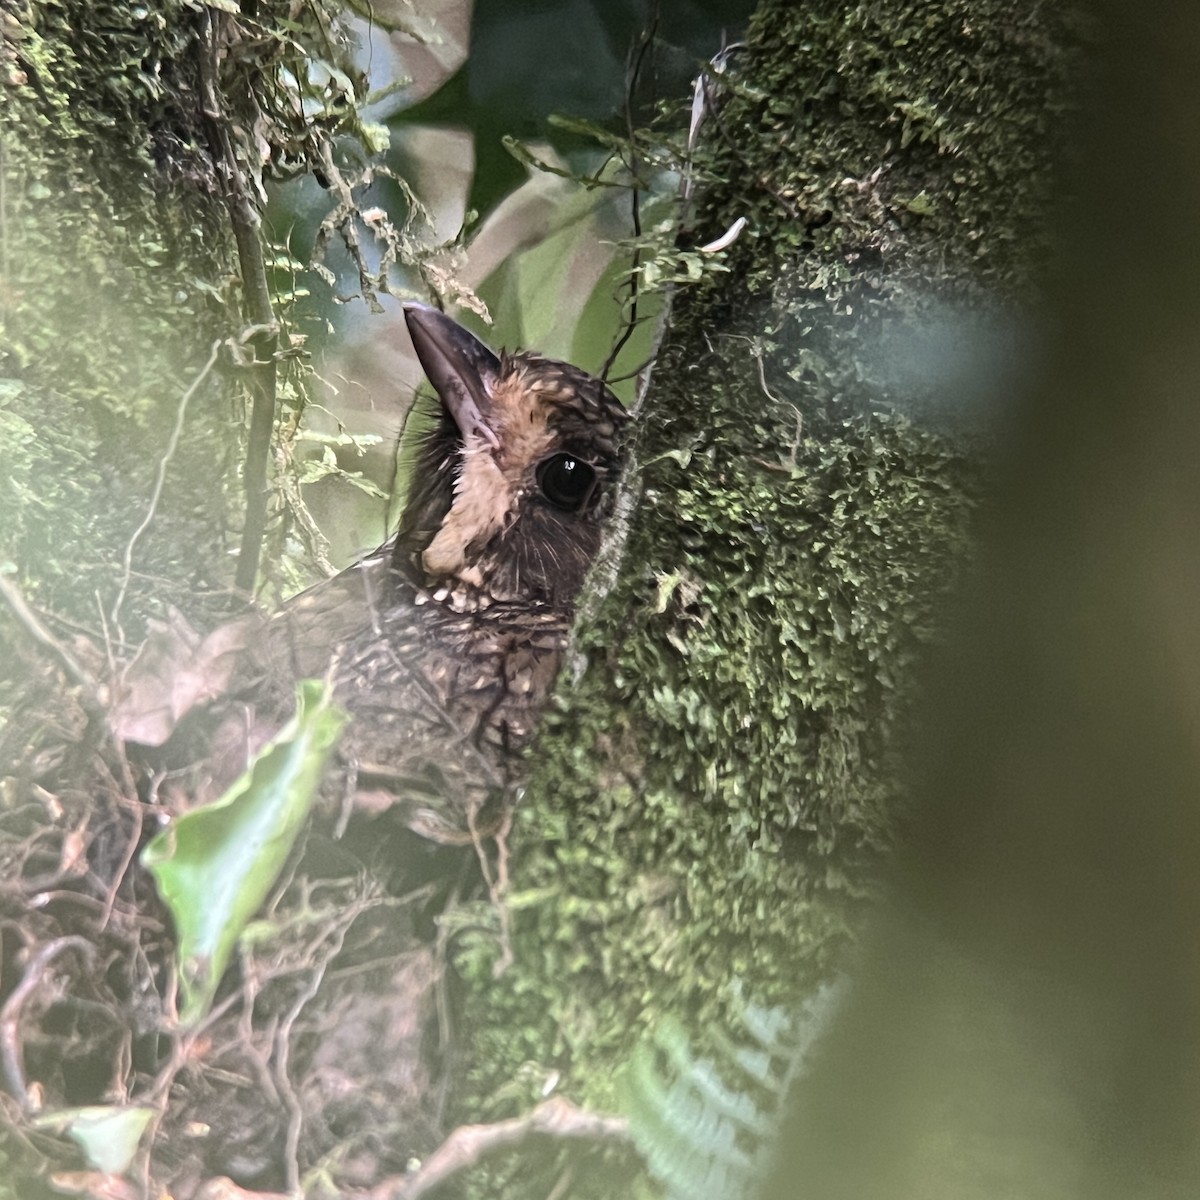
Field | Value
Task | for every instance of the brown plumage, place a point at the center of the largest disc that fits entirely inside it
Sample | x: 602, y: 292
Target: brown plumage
x: 446, y: 640
x: 443, y: 646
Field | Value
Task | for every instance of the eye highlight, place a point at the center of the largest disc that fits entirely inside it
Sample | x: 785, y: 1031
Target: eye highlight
x: 566, y: 481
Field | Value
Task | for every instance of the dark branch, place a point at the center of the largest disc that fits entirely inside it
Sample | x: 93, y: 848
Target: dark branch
x: 263, y: 334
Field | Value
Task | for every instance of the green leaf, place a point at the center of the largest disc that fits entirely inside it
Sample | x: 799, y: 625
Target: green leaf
x: 215, y: 866
x: 107, y: 1135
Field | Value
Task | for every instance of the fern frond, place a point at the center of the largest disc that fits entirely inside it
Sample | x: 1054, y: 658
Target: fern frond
x: 707, y: 1126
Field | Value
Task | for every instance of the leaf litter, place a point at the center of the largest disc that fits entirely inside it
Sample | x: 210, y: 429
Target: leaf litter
x: 219, y: 1000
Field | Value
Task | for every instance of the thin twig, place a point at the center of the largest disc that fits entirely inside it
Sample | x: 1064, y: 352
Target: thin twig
x: 633, y: 374
x: 563, y: 1186
x: 344, y: 219
x: 760, y: 177
x: 789, y: 464
x: 131, y: 847
x: 159, y: 480
x: 497, y: 882
x: 184, y: 1043
x: 635, y: 196
x: 29, y: 622
x: 700, y: 101
x: 556, y: 1118
x: 12, y: 1057
x: 4, y: 264
x: 283, y: 1047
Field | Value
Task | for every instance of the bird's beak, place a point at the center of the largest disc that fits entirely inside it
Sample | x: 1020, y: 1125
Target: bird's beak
x: 461, y: 368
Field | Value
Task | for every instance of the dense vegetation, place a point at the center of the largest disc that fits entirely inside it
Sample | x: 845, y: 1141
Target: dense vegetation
x: 720, y: 774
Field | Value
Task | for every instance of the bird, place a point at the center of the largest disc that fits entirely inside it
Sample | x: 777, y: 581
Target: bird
x: 443, y: 644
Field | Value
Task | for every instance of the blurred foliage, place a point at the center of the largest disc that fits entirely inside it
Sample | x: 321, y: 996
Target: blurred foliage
x: 710, y: 1126
x: 102, y: 324
x: 119, y: 272
x: 1024, y: 1023
x: 531, y: 60
x: 108, y: 1135
x: 713, y: 788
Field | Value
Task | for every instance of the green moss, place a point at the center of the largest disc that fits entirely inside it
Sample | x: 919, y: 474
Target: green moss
x: 710, y: 797
x: 97, y: 331
x: 119, y: 273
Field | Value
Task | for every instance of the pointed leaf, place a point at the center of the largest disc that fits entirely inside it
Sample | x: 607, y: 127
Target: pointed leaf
x: 108, y: 1135
x: 215, y: 866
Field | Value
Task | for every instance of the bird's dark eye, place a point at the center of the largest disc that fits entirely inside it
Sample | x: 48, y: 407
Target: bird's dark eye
x: 566, y: 481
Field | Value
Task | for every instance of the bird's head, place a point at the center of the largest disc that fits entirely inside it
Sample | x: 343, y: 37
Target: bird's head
x: 511, y: 487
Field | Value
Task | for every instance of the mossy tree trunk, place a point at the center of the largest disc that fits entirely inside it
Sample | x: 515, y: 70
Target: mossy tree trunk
x: 713, y: 789
x: 117, y: 268
x: 135, y: 143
